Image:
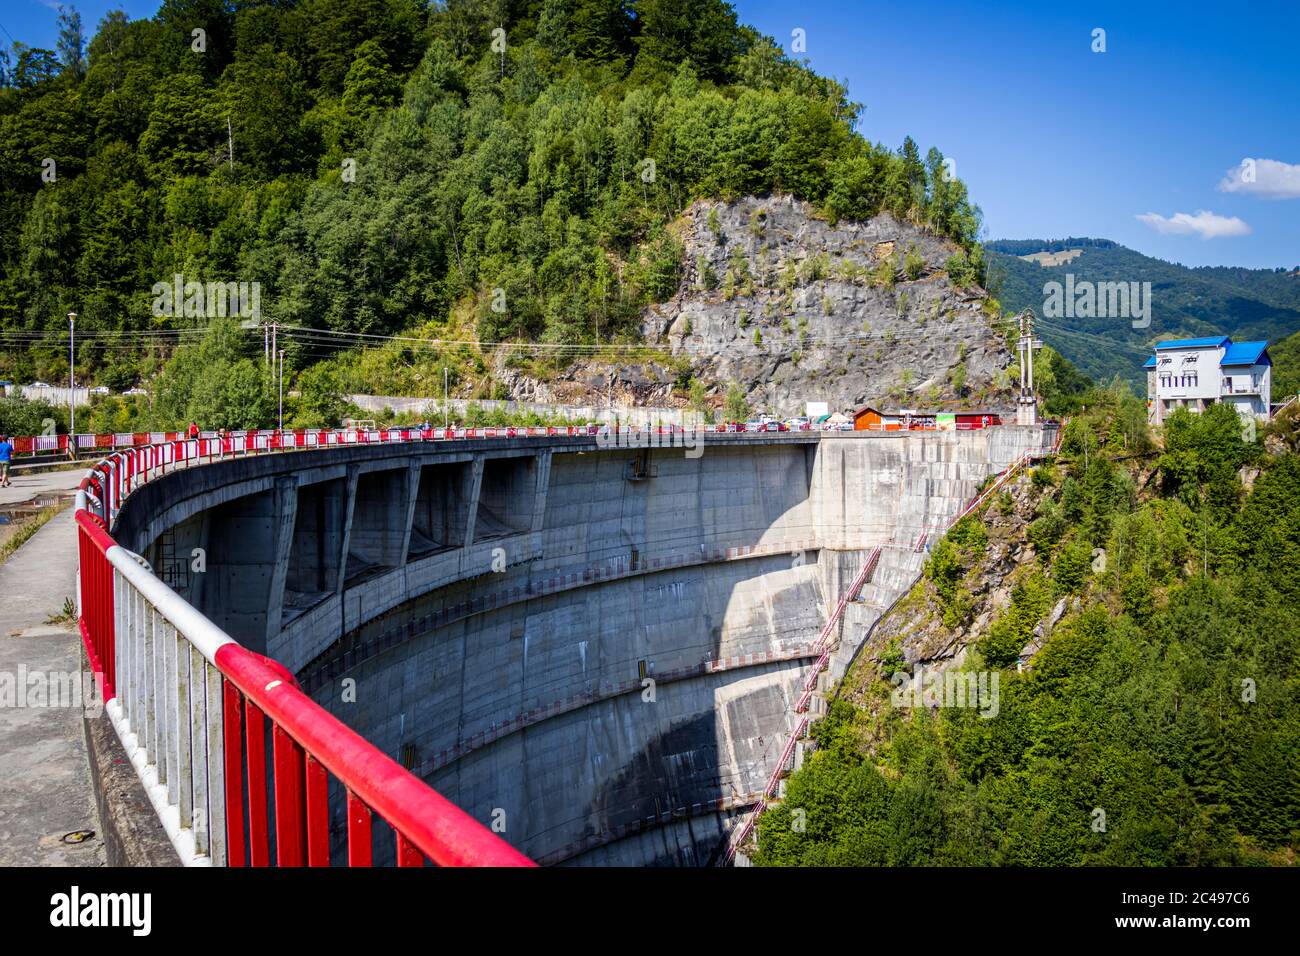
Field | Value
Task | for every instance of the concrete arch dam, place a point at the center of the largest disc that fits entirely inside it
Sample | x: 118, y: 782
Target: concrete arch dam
x: 597, y: 649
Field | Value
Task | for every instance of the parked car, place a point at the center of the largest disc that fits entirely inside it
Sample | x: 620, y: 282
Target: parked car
x: 135, y: 391
x: 40, y: 385
x: 99, y: 390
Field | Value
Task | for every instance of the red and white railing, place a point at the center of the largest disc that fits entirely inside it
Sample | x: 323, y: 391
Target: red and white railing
x: 266, y: 439
x: 194, y: 710
x: 29, y: 445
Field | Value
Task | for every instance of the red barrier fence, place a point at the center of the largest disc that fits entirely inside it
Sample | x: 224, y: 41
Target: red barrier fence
x: 194, y: 710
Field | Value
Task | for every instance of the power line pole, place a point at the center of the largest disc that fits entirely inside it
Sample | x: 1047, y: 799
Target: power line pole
x: 1027, y: 403
x: 72, y: 380
x: 281, y: 389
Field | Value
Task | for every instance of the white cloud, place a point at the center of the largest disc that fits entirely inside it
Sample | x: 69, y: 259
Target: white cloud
x: 1204, y: 224
x: 1263, y: 177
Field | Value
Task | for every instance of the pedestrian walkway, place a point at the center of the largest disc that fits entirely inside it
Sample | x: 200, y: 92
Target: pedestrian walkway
x: 45, y: 784
x: 43, y: 484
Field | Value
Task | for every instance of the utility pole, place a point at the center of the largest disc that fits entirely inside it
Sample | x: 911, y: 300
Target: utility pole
x: 1026, y: 403
x: 230, y: 141
x: 72, y: 381
x: 281, y: 389
x: 446, y: 399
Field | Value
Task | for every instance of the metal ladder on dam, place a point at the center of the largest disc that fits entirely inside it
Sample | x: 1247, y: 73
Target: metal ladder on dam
x: 823, y: 641
x: 824, y: 646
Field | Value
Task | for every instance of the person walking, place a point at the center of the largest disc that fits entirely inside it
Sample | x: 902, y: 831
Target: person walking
x: 6, y: 456
x: 193, y: 430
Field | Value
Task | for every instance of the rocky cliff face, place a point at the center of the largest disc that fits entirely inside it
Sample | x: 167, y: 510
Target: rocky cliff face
x: 797, y: 310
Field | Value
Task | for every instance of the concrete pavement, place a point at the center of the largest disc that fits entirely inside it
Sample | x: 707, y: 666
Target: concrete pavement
x: 45, y: 783
x: 27, y: 486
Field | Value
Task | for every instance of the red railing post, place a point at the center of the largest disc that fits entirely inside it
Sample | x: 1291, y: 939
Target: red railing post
x: 234, y: 760
x: 259, y: 850
x: 359, y: 834
x: 318, y: 824
x: 290, y: 821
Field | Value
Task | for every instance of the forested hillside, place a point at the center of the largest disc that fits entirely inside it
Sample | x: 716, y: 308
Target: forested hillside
x: 475, y: 171
x: 1185, y: 302
x: 1136, y: 606
x: 1286, y: 366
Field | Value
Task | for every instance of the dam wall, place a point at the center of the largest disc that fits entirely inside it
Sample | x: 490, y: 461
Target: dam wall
x: 594, y: 649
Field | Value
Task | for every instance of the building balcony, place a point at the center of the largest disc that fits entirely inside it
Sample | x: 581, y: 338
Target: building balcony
x: 1241, y: 390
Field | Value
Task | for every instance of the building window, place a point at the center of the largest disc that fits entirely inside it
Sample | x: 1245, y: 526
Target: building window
x: 1191, y: 379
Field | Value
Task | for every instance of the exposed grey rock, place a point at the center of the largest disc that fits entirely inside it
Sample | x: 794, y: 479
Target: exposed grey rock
x: 1057, y: 613
x: 827, y: 330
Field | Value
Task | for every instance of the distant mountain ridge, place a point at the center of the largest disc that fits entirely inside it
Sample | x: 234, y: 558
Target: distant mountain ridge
x: 1185, y: 302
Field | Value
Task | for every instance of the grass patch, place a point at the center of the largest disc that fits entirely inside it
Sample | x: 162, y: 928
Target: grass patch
x: 66, y: 615
x: 29, y: 528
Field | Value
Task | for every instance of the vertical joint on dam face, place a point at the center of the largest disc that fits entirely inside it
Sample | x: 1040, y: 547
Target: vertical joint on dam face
x: 410, y: 488
x: 471, y: 497
x: 286, y: 511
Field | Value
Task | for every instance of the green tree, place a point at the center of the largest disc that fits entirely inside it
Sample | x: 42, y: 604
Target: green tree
x: 735, y: 407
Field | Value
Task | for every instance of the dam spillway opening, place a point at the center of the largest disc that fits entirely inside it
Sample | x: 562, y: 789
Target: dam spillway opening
x: 598, y: 651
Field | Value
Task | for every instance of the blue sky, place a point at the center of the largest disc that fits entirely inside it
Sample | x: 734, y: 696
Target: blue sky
x: 1055, y: 140
x: 1052, y: 138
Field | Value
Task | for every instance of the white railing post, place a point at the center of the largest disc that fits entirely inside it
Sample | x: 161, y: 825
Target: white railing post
x: 215, y: 760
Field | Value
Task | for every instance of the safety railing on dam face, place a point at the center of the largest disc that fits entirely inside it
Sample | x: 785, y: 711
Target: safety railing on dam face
x: 194, y: 710
x: 32, y: 446
x: 141, y: 457
x: 810, y: 683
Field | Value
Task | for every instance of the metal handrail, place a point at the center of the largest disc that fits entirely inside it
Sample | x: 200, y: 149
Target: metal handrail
x: 191, y: 707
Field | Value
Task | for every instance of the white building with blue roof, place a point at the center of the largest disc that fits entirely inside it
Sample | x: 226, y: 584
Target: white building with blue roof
x: 1196, y: 373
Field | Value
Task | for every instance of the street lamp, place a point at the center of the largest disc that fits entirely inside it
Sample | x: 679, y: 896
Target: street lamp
x: 72, y: 383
